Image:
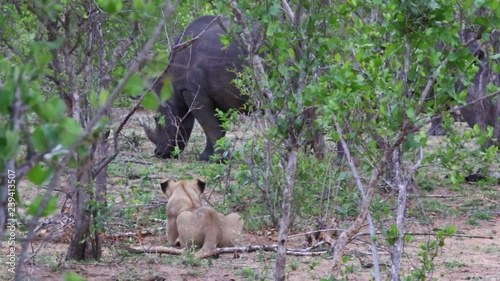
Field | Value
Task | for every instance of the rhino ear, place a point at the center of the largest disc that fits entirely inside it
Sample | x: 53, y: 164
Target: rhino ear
x: 165, y: 185
x: 201, y: 185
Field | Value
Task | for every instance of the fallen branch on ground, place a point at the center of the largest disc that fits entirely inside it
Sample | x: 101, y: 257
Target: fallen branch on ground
x: 139, y: 234
x: 227, y: 250
x: 431, y: 234
x: 314, y: 232
x: 135, y: 161
x: 437, y: 196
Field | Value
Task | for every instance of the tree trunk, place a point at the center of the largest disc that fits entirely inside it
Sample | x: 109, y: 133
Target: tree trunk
x: 99, y: 213
x: 401, y: 184
x: 85, y: 244
x: 279, y: 273
x: 80, y: 245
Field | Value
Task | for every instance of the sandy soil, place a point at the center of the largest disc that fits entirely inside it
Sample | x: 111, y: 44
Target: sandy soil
x: 462, y: 258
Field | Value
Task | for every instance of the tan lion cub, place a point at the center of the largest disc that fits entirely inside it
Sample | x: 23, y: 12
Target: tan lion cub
x: 183, y: 195
x: 207, y: 229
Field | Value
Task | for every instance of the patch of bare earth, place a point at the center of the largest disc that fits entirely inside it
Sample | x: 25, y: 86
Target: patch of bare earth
x: 462, y: 258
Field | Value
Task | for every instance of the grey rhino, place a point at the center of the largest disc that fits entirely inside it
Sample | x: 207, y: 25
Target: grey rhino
x: 487, y: 112
x: 202, y: 76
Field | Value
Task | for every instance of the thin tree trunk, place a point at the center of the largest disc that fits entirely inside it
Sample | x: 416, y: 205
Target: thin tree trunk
x: 401, y: 184
x: 99, y: 212
x: 279, y: 273
x: 375, y: 259
x: 80, y: 210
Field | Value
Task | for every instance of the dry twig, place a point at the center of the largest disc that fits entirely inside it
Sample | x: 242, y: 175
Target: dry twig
x: 227, y: 250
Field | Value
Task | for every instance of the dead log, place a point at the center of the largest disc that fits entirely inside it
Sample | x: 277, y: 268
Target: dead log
x: 228, y: 250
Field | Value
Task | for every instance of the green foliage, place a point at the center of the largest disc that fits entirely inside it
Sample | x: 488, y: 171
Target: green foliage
x: 111, y: 6
x: 39, y: 174
x: 71, y: 276
x: 366, y: 63
x: 150, y: 101
x: 35, y: 207
x: 428, y: 252
x: 454, y: 264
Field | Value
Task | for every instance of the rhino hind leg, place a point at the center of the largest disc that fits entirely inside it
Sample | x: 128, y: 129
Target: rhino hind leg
x: 212, y: 129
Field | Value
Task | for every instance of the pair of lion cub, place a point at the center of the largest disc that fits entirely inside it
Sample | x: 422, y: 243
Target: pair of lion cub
x: 190, y: 224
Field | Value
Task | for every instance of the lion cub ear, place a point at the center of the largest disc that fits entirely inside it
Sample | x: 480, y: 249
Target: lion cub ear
x: 166, y: 185
x: 201, y: 185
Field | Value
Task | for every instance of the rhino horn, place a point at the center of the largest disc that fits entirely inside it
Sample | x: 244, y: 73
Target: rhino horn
x: 149, y: 133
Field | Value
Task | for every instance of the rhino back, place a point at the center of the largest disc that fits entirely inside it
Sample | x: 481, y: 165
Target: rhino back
x: 206, y: 65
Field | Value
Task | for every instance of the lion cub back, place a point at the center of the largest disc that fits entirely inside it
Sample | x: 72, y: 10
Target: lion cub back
x: 207, y: 229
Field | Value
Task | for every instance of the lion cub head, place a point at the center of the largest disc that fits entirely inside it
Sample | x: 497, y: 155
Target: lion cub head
x: 183, y: 195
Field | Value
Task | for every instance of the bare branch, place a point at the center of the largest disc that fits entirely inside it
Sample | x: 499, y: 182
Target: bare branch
x: 428, y: 86
x: 402, y: 186
x: 227, y: 250
x: 10, y: 166
x: 314, y: 232
x: 406, y: 69
x: 288, y: 10
x: 373, y: 244
x: 344, y: 237
x: 291, y: 168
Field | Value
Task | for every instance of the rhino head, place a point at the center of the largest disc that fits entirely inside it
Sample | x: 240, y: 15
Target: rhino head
x: 173, y: 129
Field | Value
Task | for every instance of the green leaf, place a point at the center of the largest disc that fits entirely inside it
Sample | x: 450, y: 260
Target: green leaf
x: 9, y: 144
x: 408, y: 238
x: 476, y: 129
x: 134, y: 86
x: 410, y: 112
x: 49, y: 209
x: 166, y: 91
x: 150, y: 101
x: 103, y: 97
x: 41, y: 54
x: 55, y: 44
x: 72, y: 132
x: 111, y: 6
x: 482, y: 21
x: 71, y: 276
x: 272, y: 28
x: 452, y: 57
x: 274, y: 10
x: 93, y: 99
x: 39, y: 174
x: 225, y: 40
x: 52, y: 110
x: 450, y: 229
x: 39, y: 141
x: 495, y: 56
x: 139, y: 5
x: 6, y: 99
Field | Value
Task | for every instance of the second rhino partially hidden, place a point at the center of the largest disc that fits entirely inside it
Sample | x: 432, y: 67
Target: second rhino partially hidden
x: 190, y: 224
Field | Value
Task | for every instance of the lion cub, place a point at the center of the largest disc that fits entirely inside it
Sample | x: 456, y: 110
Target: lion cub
x: 207, y: 229
x: 183, y: 195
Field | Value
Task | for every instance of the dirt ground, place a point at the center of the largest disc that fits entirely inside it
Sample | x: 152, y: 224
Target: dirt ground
x: 461, y: 259
x: 474, y: 254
